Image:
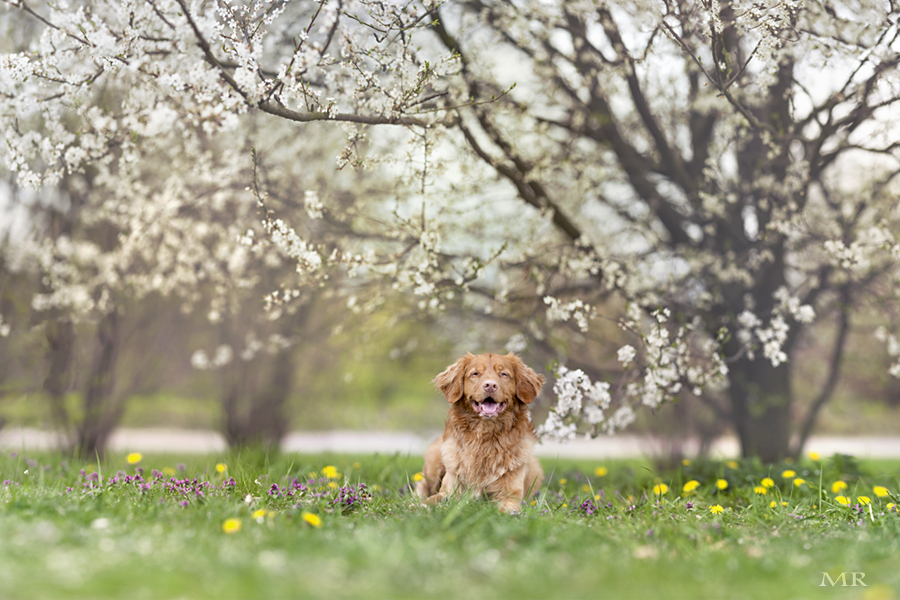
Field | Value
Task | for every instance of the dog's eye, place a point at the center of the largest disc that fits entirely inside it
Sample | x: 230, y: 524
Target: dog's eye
x: 474, y: 374
x: 504, y: 374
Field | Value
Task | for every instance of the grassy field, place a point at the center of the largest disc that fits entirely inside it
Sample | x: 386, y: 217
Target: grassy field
x: 333, y: 526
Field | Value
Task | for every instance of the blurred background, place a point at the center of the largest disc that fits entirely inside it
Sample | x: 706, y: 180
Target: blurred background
x: 347, y: 373
x: 250, y: 276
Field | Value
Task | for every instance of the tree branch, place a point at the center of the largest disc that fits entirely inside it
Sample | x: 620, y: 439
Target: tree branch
x: 282, y: 111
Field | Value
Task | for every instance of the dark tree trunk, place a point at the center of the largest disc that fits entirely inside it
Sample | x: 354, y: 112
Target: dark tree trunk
x: 101, y: 411
x: 761, y: 407
x: 256, y: 417
x: 269, y: 418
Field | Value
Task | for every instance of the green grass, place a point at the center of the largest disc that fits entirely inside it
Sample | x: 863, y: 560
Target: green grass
x: 73, y: 535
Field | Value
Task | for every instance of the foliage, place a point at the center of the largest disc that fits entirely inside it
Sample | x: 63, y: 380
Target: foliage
x: 339, y: 526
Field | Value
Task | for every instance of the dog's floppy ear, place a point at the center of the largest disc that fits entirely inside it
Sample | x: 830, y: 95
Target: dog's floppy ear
x: 452, y: 380
x: 528, y: 383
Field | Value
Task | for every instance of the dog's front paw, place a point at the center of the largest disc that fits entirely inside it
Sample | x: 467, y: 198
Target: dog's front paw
x: 511, y: 507
x: 435, y: 499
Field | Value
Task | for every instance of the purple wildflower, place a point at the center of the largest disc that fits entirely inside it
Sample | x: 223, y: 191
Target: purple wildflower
x: 588, y: 507
x: 350, y: 498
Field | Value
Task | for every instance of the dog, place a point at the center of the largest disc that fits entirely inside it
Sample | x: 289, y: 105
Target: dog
x: 487, y: 444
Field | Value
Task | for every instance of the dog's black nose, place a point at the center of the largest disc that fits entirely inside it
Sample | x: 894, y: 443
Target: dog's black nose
x: 490, y: 386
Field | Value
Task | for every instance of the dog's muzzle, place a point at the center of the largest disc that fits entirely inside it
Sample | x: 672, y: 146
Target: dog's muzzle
x: 488, y: 408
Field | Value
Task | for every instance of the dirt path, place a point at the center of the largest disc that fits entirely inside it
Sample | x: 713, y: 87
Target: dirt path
x: 621, y: 446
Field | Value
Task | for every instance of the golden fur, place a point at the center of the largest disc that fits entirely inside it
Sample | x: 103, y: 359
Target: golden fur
x: 487, y: 445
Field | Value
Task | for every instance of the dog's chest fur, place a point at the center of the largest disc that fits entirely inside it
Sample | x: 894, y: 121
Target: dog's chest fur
x: 490, y: 448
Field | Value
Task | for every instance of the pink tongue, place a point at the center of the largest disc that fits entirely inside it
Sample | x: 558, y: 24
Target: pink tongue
x: 489, y: 408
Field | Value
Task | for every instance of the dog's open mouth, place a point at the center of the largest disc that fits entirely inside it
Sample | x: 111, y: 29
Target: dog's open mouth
x: 488, y: 407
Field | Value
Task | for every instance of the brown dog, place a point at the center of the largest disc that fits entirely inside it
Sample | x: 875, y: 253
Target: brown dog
x: 488, y: 440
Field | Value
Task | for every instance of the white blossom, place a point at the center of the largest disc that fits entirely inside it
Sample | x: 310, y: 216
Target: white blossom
x: 626, y: 354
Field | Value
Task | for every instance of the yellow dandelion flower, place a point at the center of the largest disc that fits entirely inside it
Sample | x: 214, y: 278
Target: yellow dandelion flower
x: 716, y: 509
x: 837, y: 486
x: 761, y: 489
x: 566, y: 505
x: 596, y: 496
x: 788, y: 474
x: 660, y: 488
x: 168, y: 471
x: 221, y: 468
x: 799, y: 481
x: 330, y: 472
x: 601, y: 471
x: 231, y: 525
x: 134, y: 458
x: 312, y: 474
x: 686, y: 462
x: 767, y: 482
x: 732, y: 464
x: 357, y: 465
x: 691, y: 485
x: 332, y: 485
x: 261, y: 514
x: 863, y: 499
x: 843, y: 500
x: 722, y: 484
x: 880, y: 491
x: 312, y: 519
x: 890, y: 506
x: 585, y: 488
x: 418, y: 477
x: 773, y: 504
x: 563, y: 481
x: 815, y: 456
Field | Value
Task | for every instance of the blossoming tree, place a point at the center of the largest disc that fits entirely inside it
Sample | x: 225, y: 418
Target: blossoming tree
x: 680, y: 168
x: 727, y: 168
x: 139, y: 118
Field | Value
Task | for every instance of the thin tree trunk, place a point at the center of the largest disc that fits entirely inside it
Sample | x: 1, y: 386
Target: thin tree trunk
x: 834, y: 370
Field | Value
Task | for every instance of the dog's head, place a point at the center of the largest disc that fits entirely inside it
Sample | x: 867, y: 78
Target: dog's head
x: 489, y: 383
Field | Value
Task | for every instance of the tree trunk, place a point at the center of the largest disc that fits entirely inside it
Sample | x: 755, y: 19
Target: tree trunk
x: 269, y: 420
x: 101, y: 414
x: 60, y: 337
x: 256, y: 416
x: 761, y: 405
